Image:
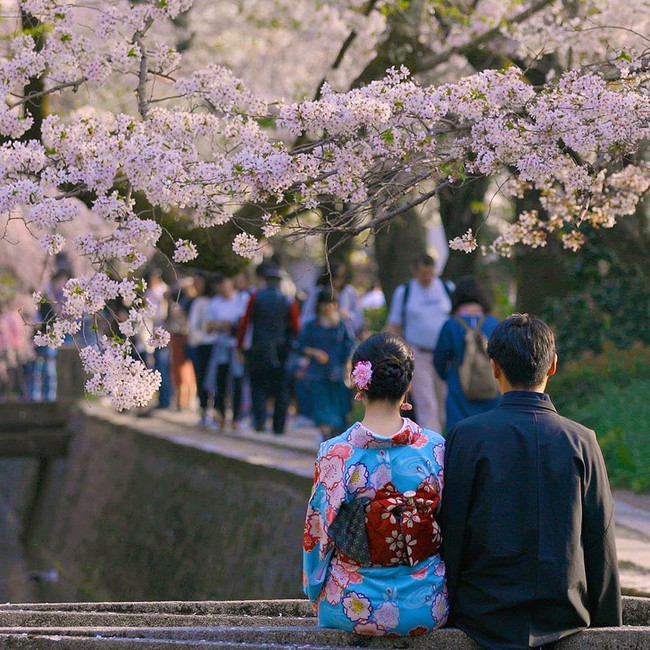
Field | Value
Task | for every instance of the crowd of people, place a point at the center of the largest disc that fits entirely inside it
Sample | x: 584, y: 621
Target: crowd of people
x: 29, y: 372
x: 253, y: 351
x: 241, y: 346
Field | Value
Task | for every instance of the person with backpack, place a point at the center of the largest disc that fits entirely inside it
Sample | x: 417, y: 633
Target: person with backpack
x: 418, y: 310
x: 461, y: 357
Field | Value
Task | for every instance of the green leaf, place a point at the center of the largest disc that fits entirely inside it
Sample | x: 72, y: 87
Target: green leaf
x: 387, y: 136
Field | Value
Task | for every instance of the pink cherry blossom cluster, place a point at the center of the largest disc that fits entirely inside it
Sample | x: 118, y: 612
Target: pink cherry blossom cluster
x: 118, y: 375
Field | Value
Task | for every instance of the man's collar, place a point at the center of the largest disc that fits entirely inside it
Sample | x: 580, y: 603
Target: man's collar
x: 527, y: 398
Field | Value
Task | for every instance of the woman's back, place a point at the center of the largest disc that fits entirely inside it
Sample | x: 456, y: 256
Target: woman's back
x: 405, y: 594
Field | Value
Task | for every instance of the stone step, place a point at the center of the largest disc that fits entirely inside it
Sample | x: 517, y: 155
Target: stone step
x: 282, y: 607
x: 67, y: 619
x: 446, y: 639
x: 247, y: 624
x: 636, y: 610
x: 626, y: 638
x: 36, y: 642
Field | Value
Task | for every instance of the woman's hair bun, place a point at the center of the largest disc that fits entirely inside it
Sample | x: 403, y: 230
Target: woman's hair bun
x: 392, y: 365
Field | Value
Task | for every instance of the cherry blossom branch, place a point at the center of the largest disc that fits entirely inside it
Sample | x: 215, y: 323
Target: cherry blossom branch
x: 74, y: 85
x: 138, y: 39
x: 344, y: 48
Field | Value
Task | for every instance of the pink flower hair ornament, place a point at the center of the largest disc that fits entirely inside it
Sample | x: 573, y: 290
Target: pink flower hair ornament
x: 362, y: 374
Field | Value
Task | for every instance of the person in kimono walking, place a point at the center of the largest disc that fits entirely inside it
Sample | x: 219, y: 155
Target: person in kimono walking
x: 527, y: 516
x: 371, y: 560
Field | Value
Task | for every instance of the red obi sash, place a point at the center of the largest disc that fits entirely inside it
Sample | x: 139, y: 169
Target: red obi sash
x: 393, y: 528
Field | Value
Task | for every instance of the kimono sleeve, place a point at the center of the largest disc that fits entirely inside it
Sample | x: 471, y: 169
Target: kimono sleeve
x: 456, y: 502
x: 327, y: 496
x: 444, y: 351
x: 601, y: 564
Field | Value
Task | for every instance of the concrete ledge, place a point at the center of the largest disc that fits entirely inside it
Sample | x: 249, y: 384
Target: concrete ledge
x: 626, y: 638
x: 636, y: 610
x: 248, y: 624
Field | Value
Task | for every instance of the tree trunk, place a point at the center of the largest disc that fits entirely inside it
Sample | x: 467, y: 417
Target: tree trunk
x: 462, y: 208
x: 396, y: 246
x: 36, y: 107
x: 539, y: 272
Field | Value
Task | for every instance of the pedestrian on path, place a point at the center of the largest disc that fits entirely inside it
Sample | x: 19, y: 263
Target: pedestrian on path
x: 327, y: 343
x: 470, y: 321
x: 417, y: 312
x: 225, y: 371
x: 200, y: 342
x: 272, y: 319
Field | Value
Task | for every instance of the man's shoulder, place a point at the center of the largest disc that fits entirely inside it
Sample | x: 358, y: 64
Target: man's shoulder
x: 398, y: 294
x: 575, y: 429
x: 478, y: 425
x: 485, y: 424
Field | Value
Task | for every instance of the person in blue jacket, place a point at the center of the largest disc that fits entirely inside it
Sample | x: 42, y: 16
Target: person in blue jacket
x: 326, y: 343
x: 470, y: 304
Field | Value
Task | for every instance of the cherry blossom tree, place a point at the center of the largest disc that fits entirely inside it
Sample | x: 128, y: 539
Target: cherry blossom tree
x: 193, y: 137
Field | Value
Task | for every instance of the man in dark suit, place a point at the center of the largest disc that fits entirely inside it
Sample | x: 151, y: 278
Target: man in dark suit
x: 527, y: 516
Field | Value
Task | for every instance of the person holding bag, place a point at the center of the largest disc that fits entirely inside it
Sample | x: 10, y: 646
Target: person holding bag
x: 371, y: 560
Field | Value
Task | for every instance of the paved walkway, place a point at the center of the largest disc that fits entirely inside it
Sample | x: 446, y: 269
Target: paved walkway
x: 633, y: 539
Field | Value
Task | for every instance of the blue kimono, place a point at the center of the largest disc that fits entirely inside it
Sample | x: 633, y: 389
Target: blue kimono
x: 446, y: 359
x: 404, y: 599
x: 330, y: 397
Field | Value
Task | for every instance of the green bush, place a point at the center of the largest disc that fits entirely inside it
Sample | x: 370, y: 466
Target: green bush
x: 584, y: 379
x: 609, y: 394
x: 607, y: 297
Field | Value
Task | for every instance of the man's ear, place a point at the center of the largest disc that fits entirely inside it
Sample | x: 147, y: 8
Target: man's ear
x: 496, y: 371
x: 552, y: 370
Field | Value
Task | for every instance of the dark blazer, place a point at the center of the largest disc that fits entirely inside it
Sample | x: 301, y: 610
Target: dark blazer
x: 528, y: 526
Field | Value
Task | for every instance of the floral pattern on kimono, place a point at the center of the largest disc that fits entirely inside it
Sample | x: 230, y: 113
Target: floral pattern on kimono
x: 398, y: 600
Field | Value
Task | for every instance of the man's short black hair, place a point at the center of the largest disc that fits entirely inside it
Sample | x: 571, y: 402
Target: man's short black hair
x: 524, y: 348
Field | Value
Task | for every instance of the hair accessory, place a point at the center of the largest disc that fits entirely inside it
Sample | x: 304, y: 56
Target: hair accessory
x: 362, y: 374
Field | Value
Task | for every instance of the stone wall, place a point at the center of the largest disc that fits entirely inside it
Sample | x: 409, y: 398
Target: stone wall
x: 134, y: 516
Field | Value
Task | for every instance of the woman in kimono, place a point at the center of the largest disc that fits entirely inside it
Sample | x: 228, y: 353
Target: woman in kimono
x: 371, y: 561
x: 326, y: 343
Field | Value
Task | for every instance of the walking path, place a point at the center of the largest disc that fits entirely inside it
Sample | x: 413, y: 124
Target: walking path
x: 633, y: 539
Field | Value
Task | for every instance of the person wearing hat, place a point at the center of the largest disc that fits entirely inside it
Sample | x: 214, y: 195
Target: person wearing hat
x: 274, y: 320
